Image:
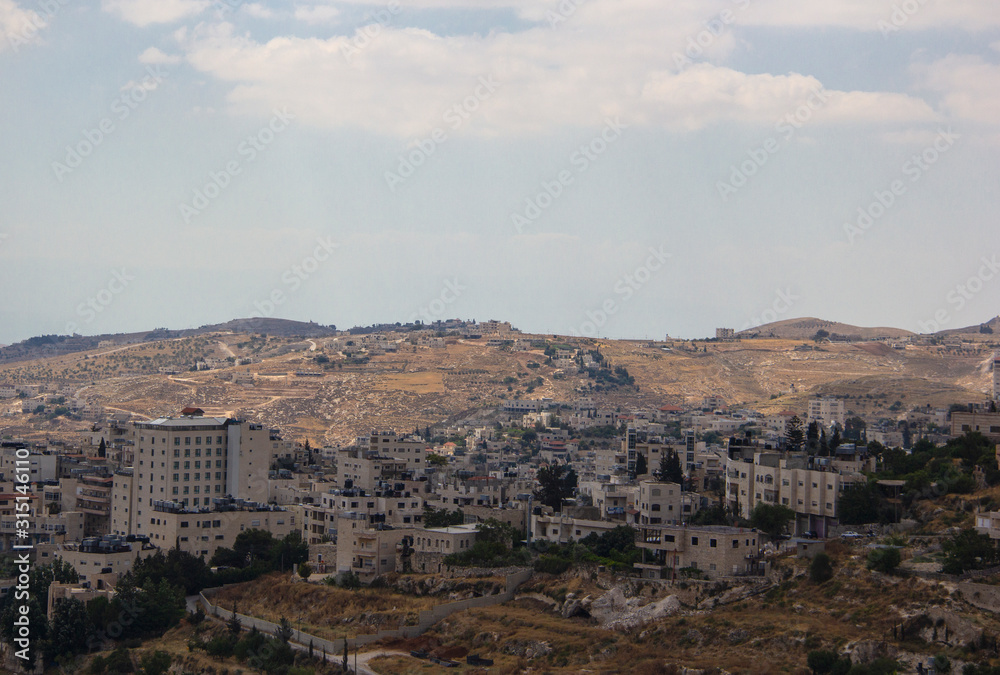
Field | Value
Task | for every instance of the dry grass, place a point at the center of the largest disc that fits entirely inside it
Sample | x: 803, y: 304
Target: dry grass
x: 425, y: 382
x: 769, y: 633
x: 321, y: 610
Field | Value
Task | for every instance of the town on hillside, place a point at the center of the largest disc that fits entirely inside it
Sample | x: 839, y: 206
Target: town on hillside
x: 256, y: 548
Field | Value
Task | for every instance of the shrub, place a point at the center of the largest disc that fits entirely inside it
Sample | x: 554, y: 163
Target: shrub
x: 884, y: 560
x: 821, y: 568
x: 821, y: 661
x: 550, y: 564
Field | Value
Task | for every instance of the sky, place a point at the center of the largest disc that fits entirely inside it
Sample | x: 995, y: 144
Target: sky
x: 621, y: 168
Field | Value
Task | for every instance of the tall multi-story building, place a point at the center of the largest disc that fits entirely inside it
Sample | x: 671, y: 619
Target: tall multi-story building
x: 826, y: 412
x: 809, y: 486
x: 196, y: 465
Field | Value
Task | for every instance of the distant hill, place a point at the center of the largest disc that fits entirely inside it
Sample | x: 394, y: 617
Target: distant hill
x: 992, y: 326
x: 806, y: 328
x: 44, y: 346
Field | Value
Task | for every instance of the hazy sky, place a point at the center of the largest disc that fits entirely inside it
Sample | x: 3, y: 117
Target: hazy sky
x: 629, y: 167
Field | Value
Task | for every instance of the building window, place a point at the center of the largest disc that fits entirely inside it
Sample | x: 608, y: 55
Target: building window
x: 187, y: 440
x: 712, y: 543
x: 736, y: 543
x: 197, y: 440
x: 694, y: 541
x: 177, y: 440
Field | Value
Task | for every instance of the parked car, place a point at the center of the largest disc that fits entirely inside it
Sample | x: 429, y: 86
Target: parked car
x: 850, y: 536
x: 810, y: 534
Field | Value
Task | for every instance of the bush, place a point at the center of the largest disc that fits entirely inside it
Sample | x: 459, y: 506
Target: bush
x: 942, y: 664
x: 821, y: 661
x: 821, y: 568
x: 156, y: 663
x: 305, y: 571
x: 884, y: 560
x: 550, y: 564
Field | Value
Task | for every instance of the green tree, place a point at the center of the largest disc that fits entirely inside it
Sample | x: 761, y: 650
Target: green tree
x: 821, y: 661
x: 812, y: 437
x: 305, y: 571
x: 771, y: 519
x: 670, y: 470
x: 821, y: 568
x: 155, y: 663
x: 435, y: 517
x: 640, y: 464
x: 69, y: 630
x: 884, y: 560
x: 794, y: 436
x: 968, y: 550
x: 234, y: 624
x: 555, y: 483
x: 38, y: 625
x: 119, y: 661
x: 285, y: 630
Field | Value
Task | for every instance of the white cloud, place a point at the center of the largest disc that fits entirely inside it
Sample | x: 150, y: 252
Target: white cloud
x: 18, y: 26
x: 969, y: 87
x: 154, y: 56
x: 316, y: 13
x: 874, y: 15
x: 257, y: 10
x: 146, y: 12
x: 402, y: 81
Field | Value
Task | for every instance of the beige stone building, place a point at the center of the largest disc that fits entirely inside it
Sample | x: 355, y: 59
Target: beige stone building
x: 715, y: 551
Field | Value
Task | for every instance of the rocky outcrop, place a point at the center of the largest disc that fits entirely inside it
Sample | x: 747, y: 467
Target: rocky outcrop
x: 529, y: 649
x: 866, y: 651
x: 614, y: 610
x: 937, y: 625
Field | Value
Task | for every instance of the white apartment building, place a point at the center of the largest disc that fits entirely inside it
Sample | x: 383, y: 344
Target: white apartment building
x: 826, y: 412
x: 808, y: 489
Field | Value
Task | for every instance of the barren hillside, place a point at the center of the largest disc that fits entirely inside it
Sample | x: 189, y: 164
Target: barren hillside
x: 420, y: 385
